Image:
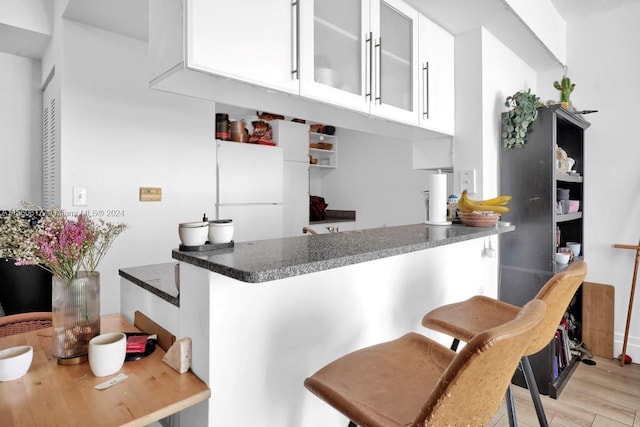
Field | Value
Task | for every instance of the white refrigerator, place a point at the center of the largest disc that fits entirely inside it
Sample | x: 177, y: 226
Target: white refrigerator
x: 250, y: 189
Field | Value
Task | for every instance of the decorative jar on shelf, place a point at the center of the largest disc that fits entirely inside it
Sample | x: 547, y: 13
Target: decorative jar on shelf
x: 76, y: 315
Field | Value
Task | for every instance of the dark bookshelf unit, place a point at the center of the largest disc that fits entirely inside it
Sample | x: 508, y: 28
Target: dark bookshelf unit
x: 527, y: 255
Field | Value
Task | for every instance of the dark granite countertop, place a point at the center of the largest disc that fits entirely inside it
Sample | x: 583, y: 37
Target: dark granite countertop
x: 265, y: 260
x: 159, y: 279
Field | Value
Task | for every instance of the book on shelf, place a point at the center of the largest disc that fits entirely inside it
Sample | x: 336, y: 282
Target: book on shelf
x: 556, y: 369
x: 563, y: 353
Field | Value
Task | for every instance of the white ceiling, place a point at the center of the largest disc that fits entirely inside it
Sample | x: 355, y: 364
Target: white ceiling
x: 126, y: 17
x: 459, y: 16
x: 22, y: 42
x: 576, y: 9
x: 130, y: 18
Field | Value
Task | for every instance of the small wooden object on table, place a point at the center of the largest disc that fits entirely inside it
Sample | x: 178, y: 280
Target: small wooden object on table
x: 633, y: 290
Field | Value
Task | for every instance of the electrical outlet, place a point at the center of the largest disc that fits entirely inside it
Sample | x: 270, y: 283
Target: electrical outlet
x: 467, y: 180
x: 79, y: 196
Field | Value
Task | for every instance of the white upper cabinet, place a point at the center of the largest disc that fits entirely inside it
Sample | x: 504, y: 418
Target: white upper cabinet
x: 436, y: 77
x: 394, y: 26
x: 293, y: 138
x: 248, y: 40
x: 369, y: 58
x: 334, y: 60
x: 362, y: 55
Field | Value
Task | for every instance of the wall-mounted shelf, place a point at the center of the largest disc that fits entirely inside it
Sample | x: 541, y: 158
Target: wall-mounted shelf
x: 568, y: 178
x: 327, y: 157
x: 568, y: 217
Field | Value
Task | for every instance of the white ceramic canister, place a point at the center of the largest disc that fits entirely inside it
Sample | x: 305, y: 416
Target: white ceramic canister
x: 220, y: 231
x: 107, y: 353
x: 193, y: 233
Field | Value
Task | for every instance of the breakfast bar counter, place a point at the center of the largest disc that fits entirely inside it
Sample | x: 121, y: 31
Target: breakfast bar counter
x: 266, y: 260
x: 264, y: 315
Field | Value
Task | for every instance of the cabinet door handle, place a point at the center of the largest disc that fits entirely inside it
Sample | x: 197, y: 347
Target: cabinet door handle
x: 425, y: 83
x: 369, y: 66
x: 295, y: 43
x: 379, y: 71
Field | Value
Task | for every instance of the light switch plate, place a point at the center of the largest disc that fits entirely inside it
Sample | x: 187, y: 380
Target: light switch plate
x: 79, y: 196
x: 467, y: 180
x: 150, y: 194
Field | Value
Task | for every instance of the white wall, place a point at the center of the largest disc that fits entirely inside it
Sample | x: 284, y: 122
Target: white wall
x: 375, y: 177
x: 20, y: 131
x: 468, y: 141
x: 503, y: 74
x: 497, y: 73
x: 118, y: 135
x: 604, y: 62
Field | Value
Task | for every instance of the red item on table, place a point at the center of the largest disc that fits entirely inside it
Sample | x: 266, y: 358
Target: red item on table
x: 136, y: 344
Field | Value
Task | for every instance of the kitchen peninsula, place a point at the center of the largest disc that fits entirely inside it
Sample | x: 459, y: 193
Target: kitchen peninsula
x: 264, y: 315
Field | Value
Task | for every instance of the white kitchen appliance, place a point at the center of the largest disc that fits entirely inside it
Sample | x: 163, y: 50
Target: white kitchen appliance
x: 294, y: 139
x: 250, y: 189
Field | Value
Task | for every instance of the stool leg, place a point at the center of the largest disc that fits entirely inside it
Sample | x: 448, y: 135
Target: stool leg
x: 511, y: 407
x: 533, y: 389
x: 454, y: 344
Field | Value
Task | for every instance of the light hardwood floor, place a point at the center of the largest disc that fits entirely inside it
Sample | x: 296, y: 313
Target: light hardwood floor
x: 604, y: 395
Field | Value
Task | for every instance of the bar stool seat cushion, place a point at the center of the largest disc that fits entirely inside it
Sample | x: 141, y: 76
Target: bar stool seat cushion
x: 463, y: 320
x: 415, y: 381
x: 466, y: 319
x: 403, y: 368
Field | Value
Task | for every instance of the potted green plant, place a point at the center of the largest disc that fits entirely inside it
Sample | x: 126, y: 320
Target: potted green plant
x: 523, y: 110
x: 565, y: 87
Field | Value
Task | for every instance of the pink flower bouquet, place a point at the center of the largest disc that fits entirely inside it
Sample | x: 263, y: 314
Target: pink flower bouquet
x: 65, y: 246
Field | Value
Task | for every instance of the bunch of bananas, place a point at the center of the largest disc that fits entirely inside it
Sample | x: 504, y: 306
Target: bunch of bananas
x: 497, y: 204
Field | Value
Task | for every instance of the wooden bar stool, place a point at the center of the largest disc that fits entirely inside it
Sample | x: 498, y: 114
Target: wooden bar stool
x: 414, y: 381
x: 464, y: 320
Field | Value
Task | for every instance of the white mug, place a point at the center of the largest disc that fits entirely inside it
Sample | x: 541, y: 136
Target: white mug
x: 107, y: 353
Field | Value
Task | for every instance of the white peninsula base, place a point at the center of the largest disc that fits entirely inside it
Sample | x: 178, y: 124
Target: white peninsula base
x: 255, y: 343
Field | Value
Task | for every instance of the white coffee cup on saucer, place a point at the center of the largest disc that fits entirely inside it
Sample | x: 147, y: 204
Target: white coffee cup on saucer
x: 107, y: 353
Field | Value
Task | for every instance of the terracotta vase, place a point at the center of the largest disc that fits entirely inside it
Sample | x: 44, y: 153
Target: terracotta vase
x: 76, y: 314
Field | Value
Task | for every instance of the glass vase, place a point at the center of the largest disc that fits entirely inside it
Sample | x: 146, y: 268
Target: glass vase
x: 76, y: 315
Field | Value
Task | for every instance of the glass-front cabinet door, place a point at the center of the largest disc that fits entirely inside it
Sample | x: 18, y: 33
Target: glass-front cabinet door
x: 361, y: 54
x: 395, y: 29
x: 334, y: 51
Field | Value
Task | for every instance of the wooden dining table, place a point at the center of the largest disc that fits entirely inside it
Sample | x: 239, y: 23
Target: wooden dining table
x: 55, y: 395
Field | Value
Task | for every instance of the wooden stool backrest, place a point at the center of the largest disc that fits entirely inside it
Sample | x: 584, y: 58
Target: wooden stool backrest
x: 472, y: 388
x: 557, y: 294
